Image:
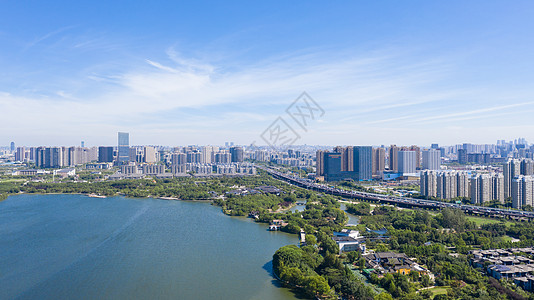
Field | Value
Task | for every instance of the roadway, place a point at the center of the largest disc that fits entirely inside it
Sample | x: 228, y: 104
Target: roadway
x: 399, y: 201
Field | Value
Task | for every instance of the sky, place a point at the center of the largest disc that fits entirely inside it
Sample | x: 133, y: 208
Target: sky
x: 208, y: 72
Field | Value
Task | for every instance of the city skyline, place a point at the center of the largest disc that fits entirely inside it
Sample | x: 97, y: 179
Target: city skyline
x: 412, y: 73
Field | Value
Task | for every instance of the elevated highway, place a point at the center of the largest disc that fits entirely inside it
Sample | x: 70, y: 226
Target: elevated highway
x: 400, y: 201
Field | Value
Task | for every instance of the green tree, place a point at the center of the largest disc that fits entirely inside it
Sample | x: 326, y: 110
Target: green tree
x: 426, y: 281
x: 383, y: 296
x: 317, y: 285
x: 311, y: 240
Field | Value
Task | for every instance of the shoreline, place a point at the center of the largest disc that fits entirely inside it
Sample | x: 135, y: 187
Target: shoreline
x: 118, y: 195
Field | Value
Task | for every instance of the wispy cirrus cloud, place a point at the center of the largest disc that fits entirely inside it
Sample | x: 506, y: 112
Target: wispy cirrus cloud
x: 184, y: 96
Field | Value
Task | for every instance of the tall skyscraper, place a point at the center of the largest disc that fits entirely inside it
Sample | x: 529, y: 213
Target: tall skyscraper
x: 347, y: 158
x: 20, y: 155
x: 123, y: 155
x: 379, y: 160
x: 12, y: 146
x: 428, y: 183
x: 319, y: 162
x: 431, y: 159
x: 527, y: 167
x: 462, y: 156
x: 407, y: 162
x: 522, y: 191
x: 486, y: 187
x: 446, y: 185
x: 208, y: 153
x: 417, y: 151
x: 394, y: 158
x: 363, y: 162
x: 511, y: 169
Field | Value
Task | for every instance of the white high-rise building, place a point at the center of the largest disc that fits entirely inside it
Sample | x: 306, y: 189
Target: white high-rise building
x: 407, y: 162
x: 208, y: 153
x: 149, y: 154
x: 446, y: 185
x: 511, y: 169
x: 486, y: 187
x: 462, y: 184
x: 522, y: 191
x: 431, y: 159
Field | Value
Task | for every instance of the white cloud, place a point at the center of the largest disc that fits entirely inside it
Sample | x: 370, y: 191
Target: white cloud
x: 389, y: 92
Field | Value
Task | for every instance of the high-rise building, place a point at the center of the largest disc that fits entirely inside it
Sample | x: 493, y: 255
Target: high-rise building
x: 319, y: 162
x: 447, y: 185
x: 194, y: 157
x: 347, y: 158
x: 462, y: 184
x: 20, y: 155
x: 363, y: 162
x: 12, y: 146
x: 50, y: 157
x: 497, y: 182
x: 406, y: 162
x: 431, y: 159
x: 223, y: 157
x: 260, y: 155
x: 393, y: 158
x: 434, y: 146
x: 123, y: 154
x: 179, y: 159
x: 208, y: 153
x: 417, y: 151
x: 379, y: 160
x: 462, y: 156
x: 136, y: 154
x: 105, y: 154
x: 444, y: 184
x: 332, y: 166
x: 486, y: 187
x: 511, y: 169
x: 480, y: 189
x: 237, y: 154
x: 522, y: 191
x: 149, y: 154
x: 428, y: 183
x: 527, y: 167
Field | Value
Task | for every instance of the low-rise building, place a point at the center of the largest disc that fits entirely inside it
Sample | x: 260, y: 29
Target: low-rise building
x: 391, y: 262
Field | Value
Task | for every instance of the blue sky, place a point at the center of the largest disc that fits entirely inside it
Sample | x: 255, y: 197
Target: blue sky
x: 171, y: 73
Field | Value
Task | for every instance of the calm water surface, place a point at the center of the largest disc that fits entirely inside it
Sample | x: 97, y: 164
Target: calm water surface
x: 76, y: 247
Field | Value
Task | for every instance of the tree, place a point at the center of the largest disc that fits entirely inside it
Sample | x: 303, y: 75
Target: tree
x: 289, y: 256
x: 361, y: 263
x: 383, y: 296
x: 317, y: 285
x: 426, y: 281
x: 291, y: 274
x: 353, y: 256
x: 426, y: 294
x: 311, y: 240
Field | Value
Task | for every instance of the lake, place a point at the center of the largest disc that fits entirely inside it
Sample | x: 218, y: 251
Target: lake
x: 76, y: 247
